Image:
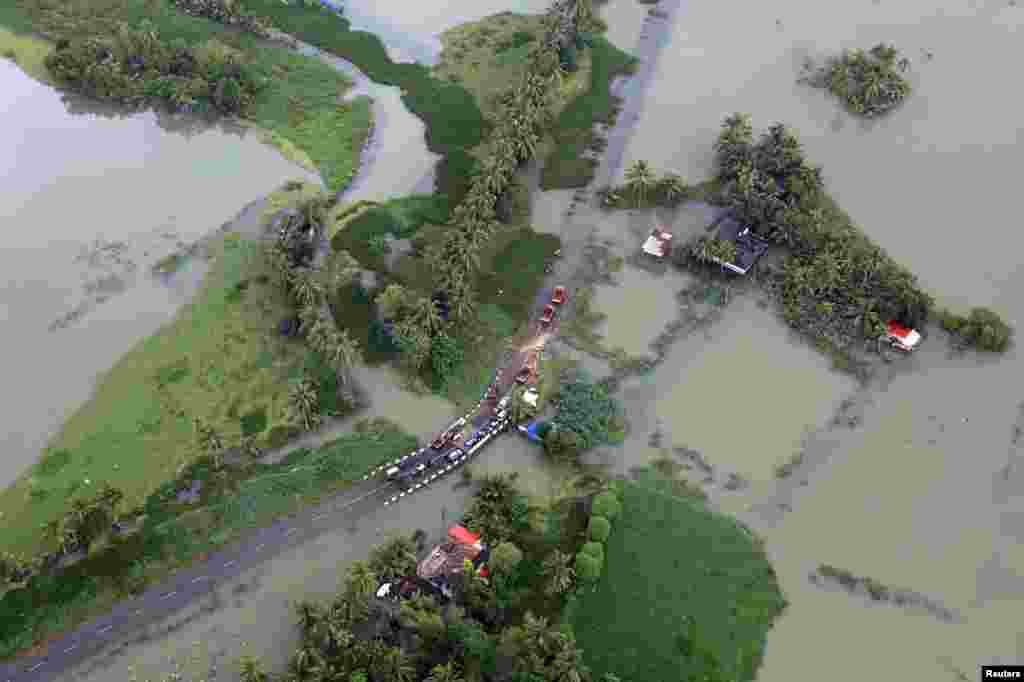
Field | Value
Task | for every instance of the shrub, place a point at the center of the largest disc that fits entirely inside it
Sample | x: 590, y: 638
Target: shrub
x: 600, y: 528
x: 869, y: 83
x: 594, y: 549
x: 982, y: 329
x: 588, y: 568
x: 586, y: 409
x: 505, y: 558
x: 606, y: 505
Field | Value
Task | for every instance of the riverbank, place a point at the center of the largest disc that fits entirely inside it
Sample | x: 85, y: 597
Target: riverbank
x: 301, y: 110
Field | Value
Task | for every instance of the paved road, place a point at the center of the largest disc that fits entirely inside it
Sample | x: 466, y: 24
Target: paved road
x: 182, y: 587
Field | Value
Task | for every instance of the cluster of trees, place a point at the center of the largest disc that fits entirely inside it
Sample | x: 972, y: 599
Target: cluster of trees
x: 484, y: 634
x: 136, y: 67
x: 86, y: 520
x: 525, y: 116
x: 644, y: 188
x: 869, y: 83
x: 981, y: 329
x: 228, y: 12
x: 291, y: 259
x: 590, y: 559
x: 586, y: 416
x: 835, y: 282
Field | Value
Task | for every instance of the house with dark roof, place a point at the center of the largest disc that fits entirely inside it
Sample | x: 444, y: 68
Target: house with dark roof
x: 749, y: 247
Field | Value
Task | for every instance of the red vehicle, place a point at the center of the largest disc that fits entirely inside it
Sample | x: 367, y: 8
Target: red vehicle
x: 451, y: 434
x: 524, y: 375
x: 901, y: 337
x: 548, y: 316
x: 558, y: 296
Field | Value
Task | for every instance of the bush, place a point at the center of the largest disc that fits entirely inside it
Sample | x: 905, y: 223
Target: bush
x: 588, y: 568
x: 586, y: 409
x: 505, y: 558
x: 869, y: 83
x: 982, y: 329
x: 600, y: 528
x: 594, y: 549
x: 606, y: 505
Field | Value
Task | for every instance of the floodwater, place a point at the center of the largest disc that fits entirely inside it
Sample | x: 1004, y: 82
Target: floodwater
x: 638, y: 306
x: 725, y: 389
x: 91, y: 201
x: 396, y: 160
x: 924, y: 493
x: 411, y: 30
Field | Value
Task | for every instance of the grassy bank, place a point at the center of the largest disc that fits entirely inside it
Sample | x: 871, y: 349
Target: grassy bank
x: 685, y: 594
x: 219, y: 360
x: 174, y: 533
x: 299, y: 109
x: 565, y: 166
x: 453, y: 120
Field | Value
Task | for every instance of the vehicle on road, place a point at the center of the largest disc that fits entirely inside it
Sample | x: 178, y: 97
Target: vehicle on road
x: 449, y: 435
x: 503, y: 403
x: 901, y: 337
x: 559, y: 296
x: 548, y: 316
x: 524, y: 375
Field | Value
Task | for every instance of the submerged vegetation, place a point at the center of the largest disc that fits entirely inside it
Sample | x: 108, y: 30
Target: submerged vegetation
x: 870, y: 83
x: 981, y: 329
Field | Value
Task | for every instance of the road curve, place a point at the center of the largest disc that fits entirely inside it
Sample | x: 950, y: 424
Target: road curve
x: 183, y: 586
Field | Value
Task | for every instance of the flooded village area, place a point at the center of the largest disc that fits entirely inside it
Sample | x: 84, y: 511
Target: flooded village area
x: 911, y: 478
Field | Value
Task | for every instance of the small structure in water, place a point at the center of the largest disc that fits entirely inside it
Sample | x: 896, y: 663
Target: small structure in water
x: 659, y: 243
x: 749, y: 248
x: 444, y: 562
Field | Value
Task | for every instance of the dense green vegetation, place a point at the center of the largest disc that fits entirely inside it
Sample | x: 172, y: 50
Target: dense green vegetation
x: 453, y: 120
x: 502, y: 628
x: 869, y: 83
x: 147, y: 53
x: 566, y: 166
x: 644, y: 188
x: 685, y: 595
x: 173, y: 529
x: 586, y: 416
x: 835, y: 284
x: 981, y: 329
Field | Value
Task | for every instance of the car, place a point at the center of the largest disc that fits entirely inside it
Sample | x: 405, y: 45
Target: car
x: 501, y: 414
x: 455, y: 455
x: 439, y: 442
x: 524, y: 375
x: 471, y: 441
x: 503, y: 403
x: 559, y: 296
x: 548, y: 316
x: 902, y: 337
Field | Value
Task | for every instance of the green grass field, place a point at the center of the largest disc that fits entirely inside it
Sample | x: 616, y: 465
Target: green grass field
x: 681, y: 587
x: 300, y: 109
x: 175, y: 534
x: 219, y: 360
x: 482, y: 344
x: 565, y: 167
x: 516, y: 270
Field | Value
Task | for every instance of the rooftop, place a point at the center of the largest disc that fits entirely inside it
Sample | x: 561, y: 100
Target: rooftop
x: 749, y: 247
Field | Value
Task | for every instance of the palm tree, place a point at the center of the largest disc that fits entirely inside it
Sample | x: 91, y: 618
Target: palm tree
x: 559, y: 573
x: 393, y: 665
x: 445, y: 672
x: 426, y: 316
x: 210, y: 442
x: 310, y: 615
x: 673, y: 187
x: 342, y: 351
x: 307, y: 664
x: 304, y: 403
x: 360, y: 581
x: 307, y: 288
x: 640, y: 180
x: 250, y: 669
x: 462, y: 301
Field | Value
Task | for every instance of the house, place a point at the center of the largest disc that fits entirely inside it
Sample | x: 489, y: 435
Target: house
x: 659, y: 243
x: 748, y: 246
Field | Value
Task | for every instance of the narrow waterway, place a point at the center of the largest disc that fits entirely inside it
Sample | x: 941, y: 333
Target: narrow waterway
x: 92, y: 199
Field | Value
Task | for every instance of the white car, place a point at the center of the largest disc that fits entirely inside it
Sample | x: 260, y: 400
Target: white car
x: 503, y: 403
x: 901, y: 337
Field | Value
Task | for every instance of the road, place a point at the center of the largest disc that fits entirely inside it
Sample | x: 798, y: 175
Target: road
x: 364, y: 499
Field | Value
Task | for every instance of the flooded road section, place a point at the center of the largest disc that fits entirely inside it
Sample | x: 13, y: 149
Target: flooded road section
x: 923, y: 491
x: 91, y: 201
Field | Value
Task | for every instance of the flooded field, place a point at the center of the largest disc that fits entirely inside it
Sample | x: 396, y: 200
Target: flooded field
x: 638, y: 307
x: 91, y: 201
x: 744, y: 393
x: 921, y: 495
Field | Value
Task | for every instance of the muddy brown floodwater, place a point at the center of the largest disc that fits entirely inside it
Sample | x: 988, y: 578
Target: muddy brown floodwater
x: 925, y: 493
x: 90, y: 202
